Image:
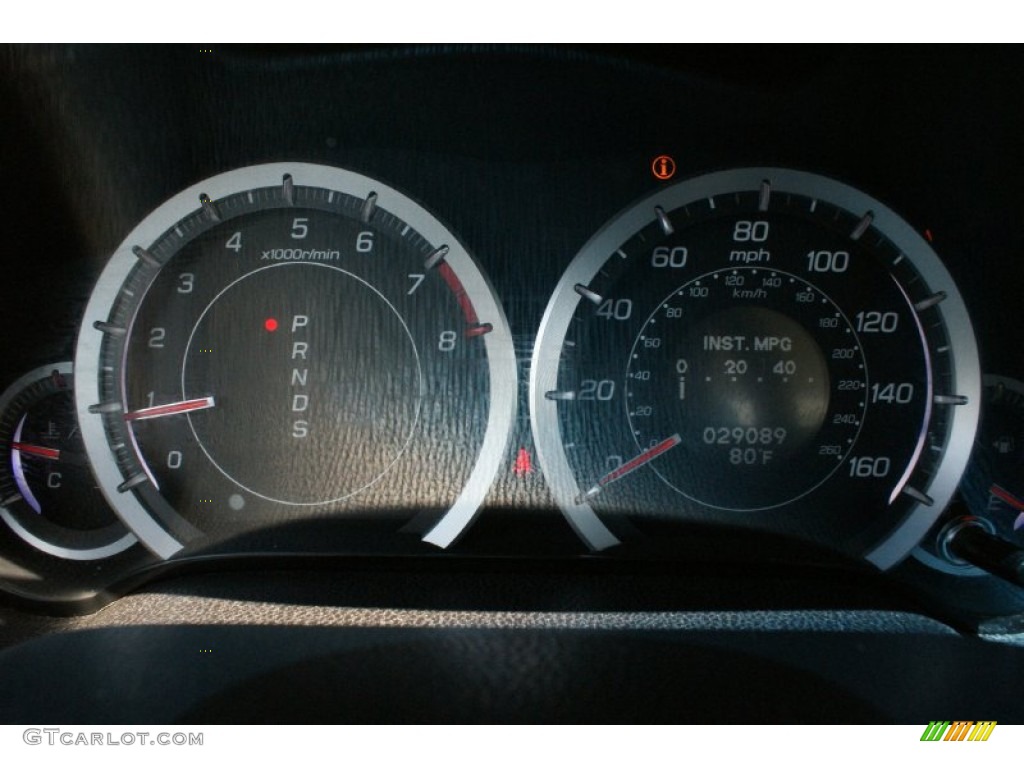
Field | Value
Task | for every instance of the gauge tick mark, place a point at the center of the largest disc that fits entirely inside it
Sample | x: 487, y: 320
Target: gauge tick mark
x: 105, y: 408
x: 210, y: 207
x: 586, y: 293
x: 131, y: 482
x: 145, y: 257
x: 436, y: 257
x: 663, y: 220
x: 919, y: 496
x: 557, y: 395
x: 862, y: 226
x: 110, y: 329
x: 369, y: 206
x: 931, y: 301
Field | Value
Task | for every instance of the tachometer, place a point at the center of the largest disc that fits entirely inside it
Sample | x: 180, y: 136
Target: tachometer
x: 761, y: 348
x: 293, y: 342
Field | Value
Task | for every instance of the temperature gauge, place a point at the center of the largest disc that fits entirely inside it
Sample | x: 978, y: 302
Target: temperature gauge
x: 47, y: 493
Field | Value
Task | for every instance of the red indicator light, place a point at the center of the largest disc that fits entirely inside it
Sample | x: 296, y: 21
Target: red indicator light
x: 663, y: 167
x: 523, y: 464
x: 928, y: 236
x: 270, y: 324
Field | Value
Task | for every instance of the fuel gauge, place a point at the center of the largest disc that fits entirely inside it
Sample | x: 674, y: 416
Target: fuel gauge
x: 48, y: 496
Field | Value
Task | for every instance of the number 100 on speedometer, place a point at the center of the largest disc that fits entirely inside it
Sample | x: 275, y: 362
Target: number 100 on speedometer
x: 759, y: 348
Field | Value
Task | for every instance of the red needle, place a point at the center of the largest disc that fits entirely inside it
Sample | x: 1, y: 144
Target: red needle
x: 156, y: 411
x: 1004, y: 495
x: 37, y: 450
x: 632, y: 465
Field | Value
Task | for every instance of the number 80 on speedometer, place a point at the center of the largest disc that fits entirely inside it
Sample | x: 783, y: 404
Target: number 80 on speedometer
x: 760, y: 348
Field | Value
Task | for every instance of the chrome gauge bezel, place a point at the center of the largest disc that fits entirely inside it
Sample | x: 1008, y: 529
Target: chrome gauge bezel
x: 122, y: 539
x: 603, y: 246
x: 499, y: 348
x: 934, y: 552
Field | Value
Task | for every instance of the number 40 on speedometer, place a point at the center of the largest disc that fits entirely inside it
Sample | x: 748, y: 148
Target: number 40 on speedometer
x: 760, y: 348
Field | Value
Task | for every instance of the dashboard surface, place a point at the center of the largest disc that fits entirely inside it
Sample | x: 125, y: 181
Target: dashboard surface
x: 468, y: 188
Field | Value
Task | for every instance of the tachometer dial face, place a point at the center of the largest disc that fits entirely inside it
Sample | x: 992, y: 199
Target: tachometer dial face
x: 47, y: 493
x: 761, y: 348
x: 288, y: 342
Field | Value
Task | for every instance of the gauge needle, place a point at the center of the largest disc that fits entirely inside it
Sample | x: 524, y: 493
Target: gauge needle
x: 170, y: 409
x: 631, y: 466
x: 37, y: 450
x: 1005, y: 496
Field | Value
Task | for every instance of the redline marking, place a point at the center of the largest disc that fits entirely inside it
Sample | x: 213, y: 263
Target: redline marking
x: 455, y: 285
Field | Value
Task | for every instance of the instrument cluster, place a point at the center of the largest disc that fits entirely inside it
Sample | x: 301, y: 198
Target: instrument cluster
x: 582, y: 306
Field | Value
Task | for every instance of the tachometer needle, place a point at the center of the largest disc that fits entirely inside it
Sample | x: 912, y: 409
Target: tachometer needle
x: 170, y: 409
x: 631, y: 466
x: 37, y: 450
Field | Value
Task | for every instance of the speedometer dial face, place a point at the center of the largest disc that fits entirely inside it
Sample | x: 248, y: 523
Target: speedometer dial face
x: 293, y: 342
x: 759, y: 348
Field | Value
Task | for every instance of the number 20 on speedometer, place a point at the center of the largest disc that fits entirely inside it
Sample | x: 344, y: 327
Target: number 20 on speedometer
x: 761, y: 348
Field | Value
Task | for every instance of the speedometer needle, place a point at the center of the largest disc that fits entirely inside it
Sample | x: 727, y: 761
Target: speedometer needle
x: 156, y: 411
x: 631, y: 466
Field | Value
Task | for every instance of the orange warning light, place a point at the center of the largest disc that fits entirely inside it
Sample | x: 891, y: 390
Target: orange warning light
x: 663, y: 167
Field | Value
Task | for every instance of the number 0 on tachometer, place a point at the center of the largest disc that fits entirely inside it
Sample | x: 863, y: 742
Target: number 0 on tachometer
x: 292, y: 343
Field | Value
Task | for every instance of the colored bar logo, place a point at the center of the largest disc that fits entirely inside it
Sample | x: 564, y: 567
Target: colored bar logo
x: 958, y: 730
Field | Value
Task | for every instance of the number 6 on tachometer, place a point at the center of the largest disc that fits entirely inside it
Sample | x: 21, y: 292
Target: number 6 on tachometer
x: 293, y: 345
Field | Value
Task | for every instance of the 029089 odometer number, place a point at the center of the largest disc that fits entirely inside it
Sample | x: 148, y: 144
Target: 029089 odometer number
x: 749, y: 386
x: 761, y: 348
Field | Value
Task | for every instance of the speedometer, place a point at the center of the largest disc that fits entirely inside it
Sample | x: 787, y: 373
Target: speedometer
x: 292, y: 343
x: 759, y: 348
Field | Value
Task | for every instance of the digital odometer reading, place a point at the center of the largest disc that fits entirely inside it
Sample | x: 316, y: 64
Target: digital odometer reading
x: 763, y: 348
x: 750, y: 386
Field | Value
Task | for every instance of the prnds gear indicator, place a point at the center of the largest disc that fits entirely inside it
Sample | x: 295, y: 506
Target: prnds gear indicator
x: 760, y: 348
x: 293, y: 343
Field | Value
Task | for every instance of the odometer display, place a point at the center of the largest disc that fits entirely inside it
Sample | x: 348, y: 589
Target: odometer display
x: 759, y: 348
x: 754, y: 384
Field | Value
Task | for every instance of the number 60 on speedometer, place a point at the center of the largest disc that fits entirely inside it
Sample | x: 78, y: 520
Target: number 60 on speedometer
x: 760, y: 348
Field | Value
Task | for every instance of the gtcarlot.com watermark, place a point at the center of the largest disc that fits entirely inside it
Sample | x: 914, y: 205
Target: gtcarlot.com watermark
x: 54, y: 737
